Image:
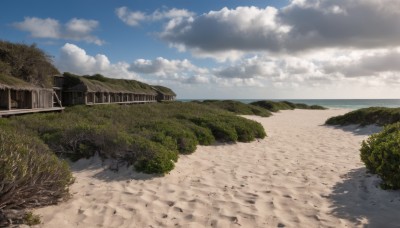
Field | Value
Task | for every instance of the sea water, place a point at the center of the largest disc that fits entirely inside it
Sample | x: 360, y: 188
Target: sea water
x: 333, y: 103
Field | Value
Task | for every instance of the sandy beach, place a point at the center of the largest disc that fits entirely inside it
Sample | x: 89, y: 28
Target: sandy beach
x: 304, y: 174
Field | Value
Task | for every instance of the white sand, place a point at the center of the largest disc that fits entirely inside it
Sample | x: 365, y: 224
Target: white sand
x: 303, y: 174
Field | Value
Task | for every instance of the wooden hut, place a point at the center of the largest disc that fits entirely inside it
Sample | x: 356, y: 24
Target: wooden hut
x: 97, y: 89
x: 164, y: 93
x: 18, y: 97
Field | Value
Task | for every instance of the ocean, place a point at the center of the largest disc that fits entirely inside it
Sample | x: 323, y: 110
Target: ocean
x: 333, y: 103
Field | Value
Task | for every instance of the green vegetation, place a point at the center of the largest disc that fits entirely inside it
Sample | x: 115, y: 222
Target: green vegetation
x: 380, y: 152
x: 30, y: 219
x: 276, y: 106
x: 13, y: 81
x: 27, y: 63
x: 31, y: 175
x: 367, y: 116
x: 236, y: 107
x: 381, y: 155
x: 99, y: 83
x: 148, y: 136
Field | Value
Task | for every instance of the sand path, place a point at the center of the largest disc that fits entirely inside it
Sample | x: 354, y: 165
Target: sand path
x: 303, y: 174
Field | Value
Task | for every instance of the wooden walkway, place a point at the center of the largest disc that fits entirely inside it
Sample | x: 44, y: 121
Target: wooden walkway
x: 6, y: 113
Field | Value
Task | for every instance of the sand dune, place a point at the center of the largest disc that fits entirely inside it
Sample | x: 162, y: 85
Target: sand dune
x: 304, y: 174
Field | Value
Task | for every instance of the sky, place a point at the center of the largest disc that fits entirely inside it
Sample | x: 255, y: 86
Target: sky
x: 221, y: 49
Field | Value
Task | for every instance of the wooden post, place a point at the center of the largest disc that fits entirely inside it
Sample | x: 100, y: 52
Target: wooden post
x: 85, y: 96
x: 9, y: 99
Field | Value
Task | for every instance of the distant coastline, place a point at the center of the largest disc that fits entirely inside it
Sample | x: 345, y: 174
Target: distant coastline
x: 331, y: 103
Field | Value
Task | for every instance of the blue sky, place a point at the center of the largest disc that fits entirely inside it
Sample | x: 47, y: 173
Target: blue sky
x: 221, y: 48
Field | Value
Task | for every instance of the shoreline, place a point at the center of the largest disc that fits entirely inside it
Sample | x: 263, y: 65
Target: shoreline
x: 303, y: 174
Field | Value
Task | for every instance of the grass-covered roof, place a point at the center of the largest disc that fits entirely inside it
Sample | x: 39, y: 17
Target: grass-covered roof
x: 99, y: 83
x: 11, y: 82
x: 164, y: 90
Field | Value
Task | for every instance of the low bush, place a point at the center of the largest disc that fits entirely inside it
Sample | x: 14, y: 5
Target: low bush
x: 185, y: 139
x: 150, y: 157
x: 237, y: 107
x: 31, y: 175
x: 158, y: 131
x: 381, y: 155
x: 276, y: 106
x: 273, y: 106
x: 204, y: 135
x: 367, y: 116
x: 231, y: 128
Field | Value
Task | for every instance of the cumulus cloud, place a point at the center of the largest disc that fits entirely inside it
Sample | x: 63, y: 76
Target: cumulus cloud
x: 376, y: 67
x: 75, y: 60
x: 135, y: 18
x: 164, y: 67
x: 40, y: 28
x: 75, y: 29
x: 371, y: 63
x: 303, y: 25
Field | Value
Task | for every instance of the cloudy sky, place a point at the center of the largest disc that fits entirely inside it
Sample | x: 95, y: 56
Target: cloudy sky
x: 223, y: 49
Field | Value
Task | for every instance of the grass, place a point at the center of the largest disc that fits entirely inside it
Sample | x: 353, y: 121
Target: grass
x: 98, y: 82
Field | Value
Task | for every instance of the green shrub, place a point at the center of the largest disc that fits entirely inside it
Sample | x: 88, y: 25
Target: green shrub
x: 185, y: 140
x: 221, y: 130
x: 276, y: 106
x: 244, y: 132
x: 236, y: 107
x: 317, y: 107
x: 381, y: 155
x: 204, y: 135
x: 112, y: 131
x: 151, y: 157
x: 367, y: 116
x: 31, y: 175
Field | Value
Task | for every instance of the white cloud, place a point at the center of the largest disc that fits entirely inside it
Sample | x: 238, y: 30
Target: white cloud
x: 366, y: 63
x: 75, y: 60
x: 40, y: 28
x: 134, y: 18
x: 305, y: 25
x: 164, y: 67
x: 75, y: 29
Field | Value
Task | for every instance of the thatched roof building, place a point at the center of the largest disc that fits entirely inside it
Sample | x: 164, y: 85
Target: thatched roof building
x: 9, y: 82
x: 18, y: 94
x: 98, y: 89
x: 164, y: 93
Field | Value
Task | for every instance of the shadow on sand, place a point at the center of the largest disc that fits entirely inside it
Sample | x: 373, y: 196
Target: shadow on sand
x: 360, y: 200
x: 109, y: 170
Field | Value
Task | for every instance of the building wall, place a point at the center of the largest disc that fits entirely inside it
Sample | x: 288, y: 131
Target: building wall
x: 3, y: 99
